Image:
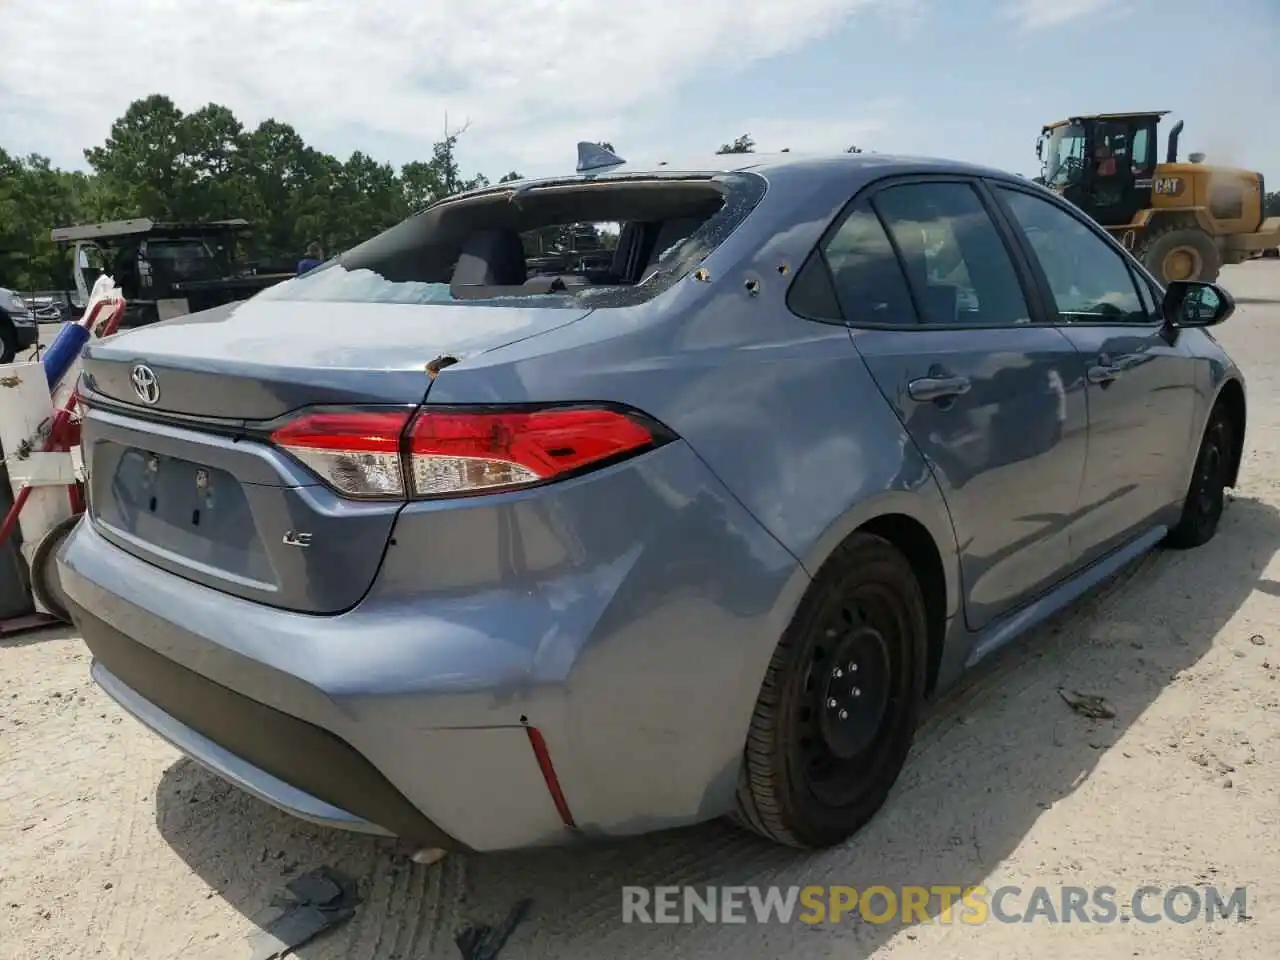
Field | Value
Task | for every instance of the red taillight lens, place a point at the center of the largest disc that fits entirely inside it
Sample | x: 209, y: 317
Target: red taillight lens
x: 357, y: 452
x: 454, y: 451
x: 369, y: 454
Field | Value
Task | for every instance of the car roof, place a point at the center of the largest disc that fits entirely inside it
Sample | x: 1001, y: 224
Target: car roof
x: 849, y: 171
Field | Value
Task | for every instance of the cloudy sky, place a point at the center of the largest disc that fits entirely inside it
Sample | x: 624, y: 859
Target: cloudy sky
x: 968, y: 79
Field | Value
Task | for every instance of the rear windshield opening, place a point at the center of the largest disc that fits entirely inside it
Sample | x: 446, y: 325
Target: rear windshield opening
x: 616, y: 241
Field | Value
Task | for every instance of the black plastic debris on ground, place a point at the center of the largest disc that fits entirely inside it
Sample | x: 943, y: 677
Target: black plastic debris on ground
x: 481, y: 942
x: 318, y: 901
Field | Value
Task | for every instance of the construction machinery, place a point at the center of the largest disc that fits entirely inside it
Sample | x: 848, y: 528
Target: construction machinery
x: 164, y: 269
x: 1183, y: 220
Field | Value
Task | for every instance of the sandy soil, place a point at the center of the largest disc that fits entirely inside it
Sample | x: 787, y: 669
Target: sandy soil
x: 113, y: 846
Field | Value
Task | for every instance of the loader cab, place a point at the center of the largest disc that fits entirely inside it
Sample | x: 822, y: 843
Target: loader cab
x: 89, y: 264
x: 163, y: 269
x: 93, y: 258
x: 1104, y: 164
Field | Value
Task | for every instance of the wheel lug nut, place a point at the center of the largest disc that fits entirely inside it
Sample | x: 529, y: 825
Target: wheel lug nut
x: 844, y: 714
x: 853, y: 668
x: 837, y: 673
x: 832, y: 703
x: 856, y: 692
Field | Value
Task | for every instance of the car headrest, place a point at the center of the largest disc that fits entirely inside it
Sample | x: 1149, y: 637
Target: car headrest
x: 671, y: 233
x: 491, y: 258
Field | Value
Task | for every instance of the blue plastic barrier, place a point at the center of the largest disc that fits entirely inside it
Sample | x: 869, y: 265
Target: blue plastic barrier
x: 63, y: 351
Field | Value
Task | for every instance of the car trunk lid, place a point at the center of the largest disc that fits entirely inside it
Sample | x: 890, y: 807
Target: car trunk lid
x: 257, y: 360
x: 187, y: 478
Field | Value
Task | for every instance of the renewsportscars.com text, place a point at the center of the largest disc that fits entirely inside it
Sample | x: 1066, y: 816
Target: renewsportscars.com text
x: 932, y: 904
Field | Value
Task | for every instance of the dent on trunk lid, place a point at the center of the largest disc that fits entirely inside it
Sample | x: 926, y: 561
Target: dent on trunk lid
x: 260, y: 359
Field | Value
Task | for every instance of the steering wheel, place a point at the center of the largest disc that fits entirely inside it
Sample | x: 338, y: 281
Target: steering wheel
x: 1073, y: 167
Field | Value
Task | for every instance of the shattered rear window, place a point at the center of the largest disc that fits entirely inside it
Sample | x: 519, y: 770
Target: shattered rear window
x: 612, y: 241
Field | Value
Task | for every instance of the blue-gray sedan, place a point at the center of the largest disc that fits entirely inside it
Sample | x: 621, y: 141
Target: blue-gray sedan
x: 686, y: 520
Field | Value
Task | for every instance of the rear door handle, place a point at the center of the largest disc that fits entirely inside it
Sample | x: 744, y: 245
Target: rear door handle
x: 938, y: 388
x: 1103, y: 374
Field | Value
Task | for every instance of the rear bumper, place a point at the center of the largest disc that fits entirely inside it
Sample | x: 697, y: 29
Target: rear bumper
x: 237, y: 770
x: 634, y: 640
x: 290, y: 739
x: 25, y: 335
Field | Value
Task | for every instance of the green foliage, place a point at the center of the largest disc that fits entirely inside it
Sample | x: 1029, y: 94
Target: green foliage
x: 31, y: 191
x: 1273, y: 204
x: 744, y: 144
x: 160, y: 163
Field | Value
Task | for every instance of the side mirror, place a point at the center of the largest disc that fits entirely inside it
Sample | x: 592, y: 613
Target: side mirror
x: 1195, y: 303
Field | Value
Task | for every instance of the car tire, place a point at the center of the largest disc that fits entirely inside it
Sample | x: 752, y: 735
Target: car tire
x: 1162, y: 245
x: 1207, y: 493
x: 837, y: 712
x: 8, y: 341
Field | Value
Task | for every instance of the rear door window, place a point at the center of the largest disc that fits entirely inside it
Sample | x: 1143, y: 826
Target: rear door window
x: 955, y: 259
x: 868, y: 278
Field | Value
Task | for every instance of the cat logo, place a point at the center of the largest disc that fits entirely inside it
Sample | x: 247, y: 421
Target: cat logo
x: 295, y: 539
x: 1169, y: 186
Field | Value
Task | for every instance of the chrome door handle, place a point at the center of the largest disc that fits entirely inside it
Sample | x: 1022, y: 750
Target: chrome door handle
x: 938, y: 388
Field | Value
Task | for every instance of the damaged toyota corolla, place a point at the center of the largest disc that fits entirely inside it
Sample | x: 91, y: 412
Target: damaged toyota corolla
x: 420, y: 544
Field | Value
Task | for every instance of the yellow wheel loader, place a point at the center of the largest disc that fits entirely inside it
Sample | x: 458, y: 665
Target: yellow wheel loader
x: 1182, y: 220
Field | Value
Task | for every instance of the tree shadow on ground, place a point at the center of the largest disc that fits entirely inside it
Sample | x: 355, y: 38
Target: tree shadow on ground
x: 992, y: 756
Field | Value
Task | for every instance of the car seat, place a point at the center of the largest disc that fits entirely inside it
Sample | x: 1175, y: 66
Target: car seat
x: 491, y: 258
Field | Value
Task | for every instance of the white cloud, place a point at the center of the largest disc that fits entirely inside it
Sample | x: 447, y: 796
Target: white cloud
x: 1043, y: 14
x: 540, y: 73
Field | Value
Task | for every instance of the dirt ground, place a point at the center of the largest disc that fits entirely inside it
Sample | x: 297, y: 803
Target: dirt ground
x: 112, y: 846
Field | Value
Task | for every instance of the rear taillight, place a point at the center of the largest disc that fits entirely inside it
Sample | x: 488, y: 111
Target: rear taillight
x: 357, y: 452
x: 453, y: 451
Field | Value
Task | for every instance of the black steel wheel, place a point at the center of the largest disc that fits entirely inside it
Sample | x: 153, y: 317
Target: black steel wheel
x: 840, y: 701
x: 1207, y: 494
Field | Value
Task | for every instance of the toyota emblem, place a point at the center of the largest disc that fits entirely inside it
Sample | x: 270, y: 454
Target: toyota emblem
x: 145, y: 384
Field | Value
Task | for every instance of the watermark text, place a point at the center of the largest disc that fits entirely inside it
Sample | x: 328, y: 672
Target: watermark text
x: 939, y: 903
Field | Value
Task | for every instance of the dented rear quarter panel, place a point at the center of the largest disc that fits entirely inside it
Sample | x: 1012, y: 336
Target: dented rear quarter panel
x: 769, y: 401
x: 762, y: 395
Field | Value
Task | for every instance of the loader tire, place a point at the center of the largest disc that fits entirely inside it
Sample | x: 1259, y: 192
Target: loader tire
x: 1181, y: 253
